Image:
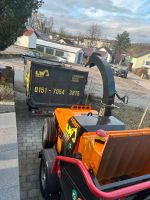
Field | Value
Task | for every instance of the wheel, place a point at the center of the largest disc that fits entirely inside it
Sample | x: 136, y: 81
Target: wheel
x: 29, y: 108
x: 144, y: 195
x: 49, y: 183
x: 49, y: 136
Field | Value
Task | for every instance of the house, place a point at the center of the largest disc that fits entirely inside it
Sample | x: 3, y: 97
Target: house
x: 141, y: 60
x: 87, y: 53
x: 97, y: 43
x: 28, y: 39
x: 66, y: 41
x: 72, y: 54
x: 106, y: 53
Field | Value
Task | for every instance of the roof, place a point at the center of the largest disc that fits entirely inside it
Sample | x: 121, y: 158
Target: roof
x: 28, y: 32
x: 140, y: 54
x: 137, y: 50
x: 67, y: 41
x: 107, y: 49
x: 88, y: 51
x: 103, y: 54
x: 58, y: 46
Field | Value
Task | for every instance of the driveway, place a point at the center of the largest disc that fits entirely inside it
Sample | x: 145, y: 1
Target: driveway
x: 29, y: 129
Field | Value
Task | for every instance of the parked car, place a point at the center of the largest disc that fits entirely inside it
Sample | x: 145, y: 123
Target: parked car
x: 32, y: 54
x: 121, y: 71
x: 45, y: 56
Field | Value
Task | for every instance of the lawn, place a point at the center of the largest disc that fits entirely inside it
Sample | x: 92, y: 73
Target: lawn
x: 131, y: 116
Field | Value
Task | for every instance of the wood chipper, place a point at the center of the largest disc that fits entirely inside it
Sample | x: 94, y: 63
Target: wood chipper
x: 88, y: 156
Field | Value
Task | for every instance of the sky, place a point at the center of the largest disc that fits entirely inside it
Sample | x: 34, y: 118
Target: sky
x: 113, y: 16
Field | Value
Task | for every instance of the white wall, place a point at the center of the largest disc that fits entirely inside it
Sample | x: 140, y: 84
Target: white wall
x: 32, y: 41
x: 134, y: 60
x: 109, y: 58
x: 27, y: 41
x: 62, y: 41
x: 71, y: 57
x: 22, y: 41
x: 103, y: 49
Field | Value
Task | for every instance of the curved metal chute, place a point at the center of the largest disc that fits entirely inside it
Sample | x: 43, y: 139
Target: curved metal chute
x: 108, y: 80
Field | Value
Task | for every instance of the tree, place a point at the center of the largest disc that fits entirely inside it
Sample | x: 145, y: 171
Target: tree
x: 42, y: 23
x: 94, y: 33
x: 122, y: 43
x: 62, y: 32
x: 13, y: 16
x: 80, y: 37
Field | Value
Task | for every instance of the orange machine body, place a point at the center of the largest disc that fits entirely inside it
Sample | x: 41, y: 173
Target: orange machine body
x: 122, y: 153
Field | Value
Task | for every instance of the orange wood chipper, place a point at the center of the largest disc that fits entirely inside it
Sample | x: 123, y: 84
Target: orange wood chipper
x: 88, y: 156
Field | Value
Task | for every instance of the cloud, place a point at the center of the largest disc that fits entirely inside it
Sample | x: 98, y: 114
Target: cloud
x: 114, y: 16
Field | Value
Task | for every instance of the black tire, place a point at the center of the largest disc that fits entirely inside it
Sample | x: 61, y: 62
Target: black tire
x: 49, y: 183
x: 144, y: 195
x: 49, y: 136
x: 29, y: 108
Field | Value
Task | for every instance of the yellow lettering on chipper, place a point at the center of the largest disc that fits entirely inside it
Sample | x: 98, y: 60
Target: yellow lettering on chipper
x: 71, y: 132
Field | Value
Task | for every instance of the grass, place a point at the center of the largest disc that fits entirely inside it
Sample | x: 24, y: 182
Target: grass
x: 131, y: 116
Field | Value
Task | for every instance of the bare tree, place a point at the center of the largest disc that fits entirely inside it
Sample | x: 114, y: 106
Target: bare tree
x: 42, y: 23
x: 49, y: 24
x: 62, y: 32
x: 93, y: 33
x: 80, y: 37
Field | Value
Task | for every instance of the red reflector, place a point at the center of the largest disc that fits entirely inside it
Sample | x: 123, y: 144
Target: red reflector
x: 101, y: 133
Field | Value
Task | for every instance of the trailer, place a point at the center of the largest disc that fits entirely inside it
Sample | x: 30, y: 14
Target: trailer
x: 50, y: 84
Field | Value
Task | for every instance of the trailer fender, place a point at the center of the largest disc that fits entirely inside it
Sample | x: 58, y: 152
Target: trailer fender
x: 45, y: 154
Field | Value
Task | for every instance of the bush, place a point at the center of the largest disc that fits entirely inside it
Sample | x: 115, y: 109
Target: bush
x: 6, y: 91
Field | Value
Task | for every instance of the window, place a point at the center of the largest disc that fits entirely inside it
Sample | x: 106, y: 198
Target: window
x: 50, y: 51
x: 146, y: 62
x: 40, y: 48
x: 59, y: 53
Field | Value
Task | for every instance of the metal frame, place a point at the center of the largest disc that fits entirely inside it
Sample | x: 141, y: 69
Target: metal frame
x: 120, y: 193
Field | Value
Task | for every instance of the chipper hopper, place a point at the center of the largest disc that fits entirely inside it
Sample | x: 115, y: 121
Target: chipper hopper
x: 88, y: 156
